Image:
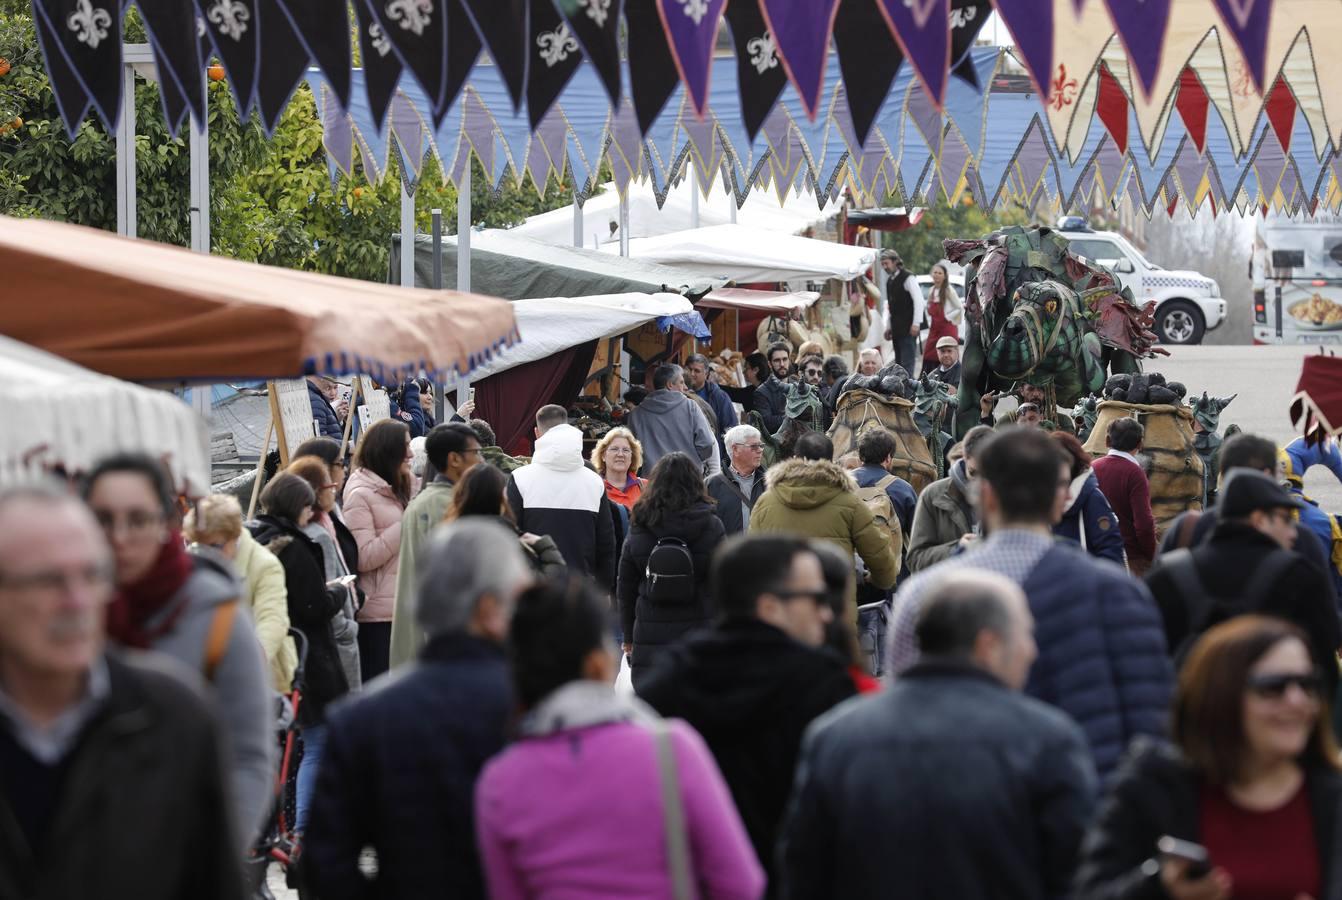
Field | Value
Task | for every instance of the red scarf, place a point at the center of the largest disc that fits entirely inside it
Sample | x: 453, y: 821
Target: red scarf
x: 135, y: 604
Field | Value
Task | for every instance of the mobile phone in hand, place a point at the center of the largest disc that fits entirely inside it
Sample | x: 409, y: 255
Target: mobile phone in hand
x: 1199, y: 861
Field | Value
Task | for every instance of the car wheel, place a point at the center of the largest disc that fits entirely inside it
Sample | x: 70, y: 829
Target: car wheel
x: 1179, y: 322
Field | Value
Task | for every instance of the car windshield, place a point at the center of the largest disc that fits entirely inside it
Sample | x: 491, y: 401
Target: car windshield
x: 1136, y: 253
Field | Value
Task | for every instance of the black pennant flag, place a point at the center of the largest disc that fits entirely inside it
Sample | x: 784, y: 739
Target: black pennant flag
x: 284, y: 59
x: 71, y: 98
x: 463, y: 49
x: 502, y: 25
x: 86, y: 34
x: 171, y: 26
x: 381, y: 65
x: 652, y: 68
x: 967, y: 19
x: 596, y: 25
x: 555, y: 57
x: 417, y: 32
x: 232, y: 26
x: 759, y: 71
x: 869, y: 59
x: 323, y: 27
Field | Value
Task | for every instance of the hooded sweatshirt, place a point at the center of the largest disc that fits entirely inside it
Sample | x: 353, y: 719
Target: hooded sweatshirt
x: 818, y: 499
x: 750, y: 690
x: 558, y: 496
x: 241, y: 684
x: 667, y: 421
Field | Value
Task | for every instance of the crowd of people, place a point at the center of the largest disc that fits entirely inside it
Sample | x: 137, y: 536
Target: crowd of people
x: 1002, y: 685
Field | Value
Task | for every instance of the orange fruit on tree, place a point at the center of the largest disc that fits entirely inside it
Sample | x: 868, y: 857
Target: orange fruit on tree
x: 216, y: 72
x: 4, y: 67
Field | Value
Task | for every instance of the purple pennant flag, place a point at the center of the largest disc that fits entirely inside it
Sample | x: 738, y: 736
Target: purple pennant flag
x: 1031, y: 25
x: 922, y: 28
x: 1248, y: 22
x: 801, y: 30
x: 692, y: 30
x: 1141, y: 27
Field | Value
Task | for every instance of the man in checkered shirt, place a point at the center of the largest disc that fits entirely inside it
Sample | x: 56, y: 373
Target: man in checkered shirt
x: 1102, y: 655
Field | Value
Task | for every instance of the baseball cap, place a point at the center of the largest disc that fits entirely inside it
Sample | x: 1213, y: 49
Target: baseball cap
x: 1246, y: 490
x: 948, y: 341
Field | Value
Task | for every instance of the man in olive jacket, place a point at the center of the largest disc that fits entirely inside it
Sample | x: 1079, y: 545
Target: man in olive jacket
x: 811, y: 496
x: 945, y: 518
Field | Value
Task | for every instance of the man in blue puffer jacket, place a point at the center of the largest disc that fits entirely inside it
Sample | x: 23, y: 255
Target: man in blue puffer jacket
x: 1102, y: 655
x: 321, y: 394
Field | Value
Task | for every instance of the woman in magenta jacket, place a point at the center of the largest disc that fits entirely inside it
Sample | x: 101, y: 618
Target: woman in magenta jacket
x: 374, y: 504
x: 575, y: 807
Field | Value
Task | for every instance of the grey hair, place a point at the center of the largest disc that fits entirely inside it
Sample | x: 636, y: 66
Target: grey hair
x: 50, y: 494
x: 462, y: 562
x: 740, y: 434
x: 960, y: 604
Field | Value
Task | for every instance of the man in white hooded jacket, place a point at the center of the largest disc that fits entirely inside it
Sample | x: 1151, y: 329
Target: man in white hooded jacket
x: 557, y: 495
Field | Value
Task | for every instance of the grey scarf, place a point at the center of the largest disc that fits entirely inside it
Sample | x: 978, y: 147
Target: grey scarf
x: 583, y: 704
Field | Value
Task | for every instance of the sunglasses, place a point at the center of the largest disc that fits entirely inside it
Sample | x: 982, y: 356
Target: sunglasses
x: 1273, y: 685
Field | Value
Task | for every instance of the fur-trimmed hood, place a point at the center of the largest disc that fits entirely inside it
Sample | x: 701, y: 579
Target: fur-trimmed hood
x: 806, y: 484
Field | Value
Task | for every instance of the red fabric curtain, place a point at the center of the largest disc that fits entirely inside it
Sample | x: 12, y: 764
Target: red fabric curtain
x: 508, y: 401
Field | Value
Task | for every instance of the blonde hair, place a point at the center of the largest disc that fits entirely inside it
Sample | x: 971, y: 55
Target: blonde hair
x: 216, y: 519
x: 599, y: 451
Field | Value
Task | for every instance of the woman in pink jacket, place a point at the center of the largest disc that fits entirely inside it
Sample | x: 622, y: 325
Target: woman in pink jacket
x: 577, y: 807
x: 375, y: 499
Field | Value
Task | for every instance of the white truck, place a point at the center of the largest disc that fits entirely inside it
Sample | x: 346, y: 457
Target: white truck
x: 1296, y: 270
x: 1188, y: 304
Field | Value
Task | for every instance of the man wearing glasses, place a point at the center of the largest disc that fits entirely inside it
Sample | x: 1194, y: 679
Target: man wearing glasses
x: 740, y: 484
x: 754, y: 681
x: 111, y: 776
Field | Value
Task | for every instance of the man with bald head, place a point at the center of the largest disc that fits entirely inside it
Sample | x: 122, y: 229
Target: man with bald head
x: 1023, y: 782
x: 91, y: 741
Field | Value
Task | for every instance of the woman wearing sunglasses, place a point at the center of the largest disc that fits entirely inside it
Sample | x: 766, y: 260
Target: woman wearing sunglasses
x: 1253, y: 780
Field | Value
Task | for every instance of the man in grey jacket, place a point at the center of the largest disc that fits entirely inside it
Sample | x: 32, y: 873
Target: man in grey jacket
x: 667, y: 421
x: 944, y: 518
x: 1024, y: 784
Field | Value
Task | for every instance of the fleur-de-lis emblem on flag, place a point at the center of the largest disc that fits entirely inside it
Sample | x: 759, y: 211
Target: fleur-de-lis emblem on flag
x: 89, y: 25
x: 555, y: 46
x: 598, y: 11
x: 763, y: 52
x: 412, y: 15
x: 1062, y: 88
x: 230, y: 17
x: 696, y: 10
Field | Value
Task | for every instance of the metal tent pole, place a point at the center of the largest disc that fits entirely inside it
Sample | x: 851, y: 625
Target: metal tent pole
x: 694, y: 192
x: 577, y: 221
x: 624, y: 225
x: 125, y: 156
x: 200, y: 186
x: 464, y: 231
x: 407, y: 236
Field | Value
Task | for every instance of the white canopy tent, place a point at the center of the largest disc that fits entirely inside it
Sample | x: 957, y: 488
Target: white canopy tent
x: 749, y: 255
x: 553, y: 324
x: 761, y: 210
x: 774, y: 303
x: 58, y: 414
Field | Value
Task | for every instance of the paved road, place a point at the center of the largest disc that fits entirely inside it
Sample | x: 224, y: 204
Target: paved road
x: 1265, y: 379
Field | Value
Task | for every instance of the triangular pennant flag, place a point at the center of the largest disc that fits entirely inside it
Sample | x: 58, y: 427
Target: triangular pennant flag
x: 869, y: 59
x: 1031, y: 26
x: 502, y: 26
x: 1141, y: 27
x: 337, y: 130
x: 86, y: 34
x: 922, y: 28
x: 925, y: 116
x: 555, y: 58
x: 284, y: 59
x: 1111, y: 106
x: 1280, y: 110
x: 418, y: 35
x: 463, y: 49
x: 691, y: 27
x: 174, y: 104
x: 801, y: 30
x: 626, y: 147
x: 706, y: 148
x: 760, y: 74
x: 381, y: 65
x: 596, y: 25
x: 1192, y: 102
x: 967, y: 18
x: 71, y: 98
x: 652, y: 68
x: 1189, y: 169
x: 171, y: 27
x: 1247, y: 21
x: 1077, y: 43
x: 232, y: 27
x: 968, y: 108
x: 545, y: 152
x: 407, y: 129
x: 323, y: 28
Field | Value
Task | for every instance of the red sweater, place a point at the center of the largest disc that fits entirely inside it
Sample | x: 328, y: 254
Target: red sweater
x: 1270, y: 855
x: 1124, y: 485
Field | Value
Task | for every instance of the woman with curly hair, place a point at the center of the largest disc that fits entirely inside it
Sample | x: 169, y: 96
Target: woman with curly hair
x: 663, y: 598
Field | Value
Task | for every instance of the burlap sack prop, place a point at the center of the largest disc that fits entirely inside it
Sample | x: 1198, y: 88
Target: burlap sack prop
x: 1176, y: 467
x: 861, y: 410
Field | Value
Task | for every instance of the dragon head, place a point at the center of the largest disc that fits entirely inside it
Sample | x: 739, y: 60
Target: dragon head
x: 1030, y: 331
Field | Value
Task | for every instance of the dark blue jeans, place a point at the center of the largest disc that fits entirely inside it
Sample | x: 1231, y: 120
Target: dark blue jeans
x: 906, y: 350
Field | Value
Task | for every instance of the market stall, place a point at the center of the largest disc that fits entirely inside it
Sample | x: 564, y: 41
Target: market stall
x: 749, y: 255
x: 63, y: 417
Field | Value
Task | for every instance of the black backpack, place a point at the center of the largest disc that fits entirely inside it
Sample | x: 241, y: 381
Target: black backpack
x: 670, y: 572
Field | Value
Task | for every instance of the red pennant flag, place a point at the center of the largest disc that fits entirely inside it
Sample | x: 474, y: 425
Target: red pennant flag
x: 1174, y: 204
x: 1112, y: 108
x: 1192, y: 103
x: 1280, y: 109
x: 1211, y: 195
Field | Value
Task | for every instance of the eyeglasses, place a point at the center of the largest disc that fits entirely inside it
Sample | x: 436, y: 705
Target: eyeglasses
x: 619, y: 451
x: 752, y: 447
x: 813, y: 373
x: 136, y: 524
x: 56, y: 582
x: 1273, y: 685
